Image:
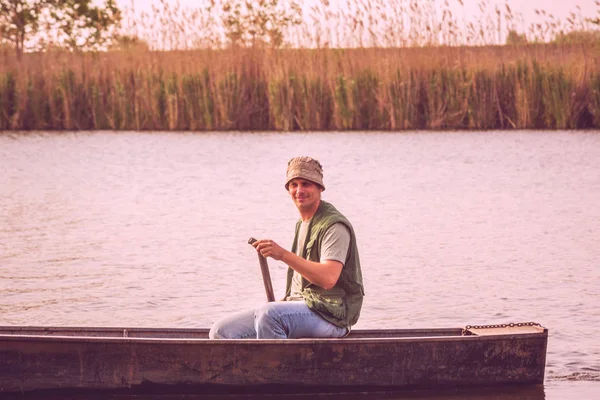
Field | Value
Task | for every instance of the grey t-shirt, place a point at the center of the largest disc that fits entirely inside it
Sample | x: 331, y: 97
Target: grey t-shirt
x: 335, y: 245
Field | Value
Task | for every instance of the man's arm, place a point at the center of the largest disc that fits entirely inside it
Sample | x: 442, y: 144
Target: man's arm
x: 325, y: 273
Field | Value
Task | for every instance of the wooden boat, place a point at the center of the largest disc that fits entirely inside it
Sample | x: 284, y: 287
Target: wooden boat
x: 136, y: 360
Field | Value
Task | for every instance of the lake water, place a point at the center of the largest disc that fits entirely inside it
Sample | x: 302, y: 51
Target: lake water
x: 454, y: 228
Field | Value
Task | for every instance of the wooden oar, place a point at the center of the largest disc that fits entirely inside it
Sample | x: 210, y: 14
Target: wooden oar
x: 264, y: 268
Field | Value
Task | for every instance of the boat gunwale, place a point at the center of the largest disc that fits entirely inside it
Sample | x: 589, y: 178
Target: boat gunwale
x: 50, y: 329
x: 191, y: 330
x: 276, y: 342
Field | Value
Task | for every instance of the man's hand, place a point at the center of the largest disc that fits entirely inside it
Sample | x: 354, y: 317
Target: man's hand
x: 268, y: 248
x: 324, y: 274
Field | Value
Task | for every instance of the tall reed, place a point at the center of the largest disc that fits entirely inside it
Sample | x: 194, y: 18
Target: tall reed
x: 317, y: 87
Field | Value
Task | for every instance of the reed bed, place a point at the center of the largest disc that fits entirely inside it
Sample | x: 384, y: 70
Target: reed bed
x: 259, y: 87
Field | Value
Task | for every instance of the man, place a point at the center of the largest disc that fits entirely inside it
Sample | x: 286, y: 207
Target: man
x: 324, y: 290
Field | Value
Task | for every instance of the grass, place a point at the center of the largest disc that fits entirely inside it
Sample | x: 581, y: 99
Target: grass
x: 431, y: 86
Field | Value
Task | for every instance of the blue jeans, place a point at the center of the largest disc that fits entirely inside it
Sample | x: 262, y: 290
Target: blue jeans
x: 276, y: 320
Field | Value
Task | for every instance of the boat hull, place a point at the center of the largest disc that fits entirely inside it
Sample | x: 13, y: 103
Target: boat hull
x: 175, y: 361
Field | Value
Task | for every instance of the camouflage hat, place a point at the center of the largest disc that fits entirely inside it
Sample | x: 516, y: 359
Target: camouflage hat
x: 306, y: 168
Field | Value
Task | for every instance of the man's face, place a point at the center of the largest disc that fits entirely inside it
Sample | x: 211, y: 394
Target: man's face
x: 305, y: 194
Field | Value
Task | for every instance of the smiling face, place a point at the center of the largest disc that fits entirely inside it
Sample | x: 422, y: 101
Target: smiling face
x: 306, y: 195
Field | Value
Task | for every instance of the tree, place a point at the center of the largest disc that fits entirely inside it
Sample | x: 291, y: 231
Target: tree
x: 249, y: 23
x: 73, y: 24
x: 83, y: 25
x: 128, y: 43
x: 578, y: 37
x: 514, y: 38
x: 18, y: 19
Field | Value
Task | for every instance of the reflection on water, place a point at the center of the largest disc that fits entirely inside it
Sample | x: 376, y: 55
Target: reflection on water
x: 133, y: 229
x: 553, y: 391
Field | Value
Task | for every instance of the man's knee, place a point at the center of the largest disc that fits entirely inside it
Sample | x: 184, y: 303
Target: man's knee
x: 223, y: 330
x: 216, y: 332
x: 269, y: 323
x: 236, y: 326
x: 267, y: 312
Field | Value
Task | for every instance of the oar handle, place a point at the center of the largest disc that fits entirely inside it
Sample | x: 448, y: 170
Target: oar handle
x: 264, y: 268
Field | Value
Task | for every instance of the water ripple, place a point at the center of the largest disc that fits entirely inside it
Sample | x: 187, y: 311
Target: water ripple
x: 459, y: 228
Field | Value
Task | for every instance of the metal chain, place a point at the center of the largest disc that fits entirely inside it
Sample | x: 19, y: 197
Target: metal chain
x: 509, y: 325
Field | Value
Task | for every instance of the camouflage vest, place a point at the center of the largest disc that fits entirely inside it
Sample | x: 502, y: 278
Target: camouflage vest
x: 341, y: 304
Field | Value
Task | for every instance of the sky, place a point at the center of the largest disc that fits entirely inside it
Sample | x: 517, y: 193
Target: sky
x: 559, y: 8
x: 523, y: 10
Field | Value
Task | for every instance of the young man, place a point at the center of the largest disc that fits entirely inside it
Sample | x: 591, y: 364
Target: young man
x: 324, y: 290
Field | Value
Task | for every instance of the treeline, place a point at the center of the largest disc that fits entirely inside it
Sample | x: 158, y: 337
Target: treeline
x: 73, y: 25
x: 503, y: 87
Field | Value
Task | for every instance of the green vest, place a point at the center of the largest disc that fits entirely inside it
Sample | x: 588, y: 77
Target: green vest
x: 341, y: 304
